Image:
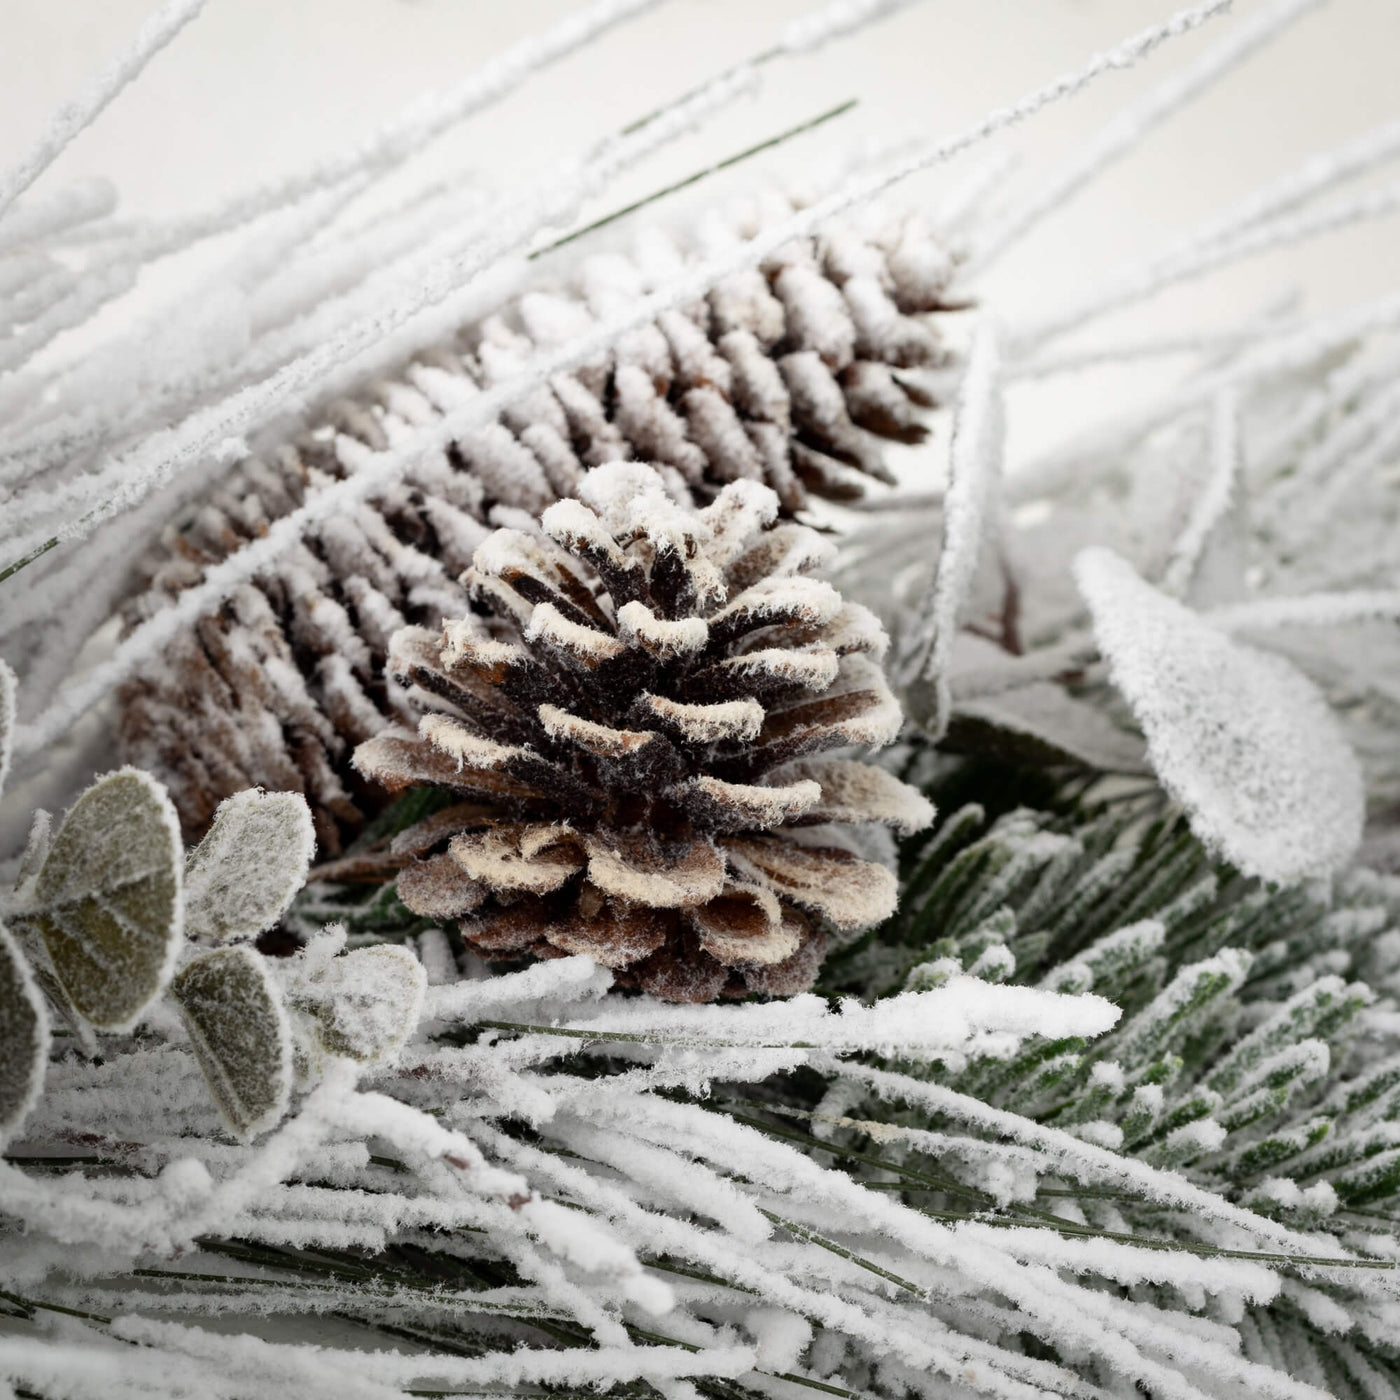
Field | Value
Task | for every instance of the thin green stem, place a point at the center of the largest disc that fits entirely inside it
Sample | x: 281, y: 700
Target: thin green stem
x: 35, y: 553
x: 31, y: 1304
x: 693, y: 179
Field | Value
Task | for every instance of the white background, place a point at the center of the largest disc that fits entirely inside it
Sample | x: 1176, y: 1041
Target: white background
x: 257, y: 86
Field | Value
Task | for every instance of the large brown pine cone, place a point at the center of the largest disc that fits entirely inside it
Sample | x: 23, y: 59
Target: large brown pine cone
x: 639, y: 725
x: 790, y: 375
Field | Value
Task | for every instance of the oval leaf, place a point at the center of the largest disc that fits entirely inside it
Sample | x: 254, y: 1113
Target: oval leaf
x: 108, y: 898
x: 240, y: 879
x: 369, y: 1002
x: 240, y: 1035
x: 24, y: 1036
x: 1239, y: 737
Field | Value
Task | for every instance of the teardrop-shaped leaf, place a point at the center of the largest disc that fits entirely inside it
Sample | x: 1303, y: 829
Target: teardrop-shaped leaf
x: 1240, y: 737
x: 108, y: 899
x: 24, y: 1036
x: 240, y: 1034
x: 240, y: 879
x: 368, y: 1001
x: 7, y: 720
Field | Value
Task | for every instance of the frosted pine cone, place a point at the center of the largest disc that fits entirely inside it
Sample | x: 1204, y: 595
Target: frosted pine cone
x: 790, y: 375
x: 639, y: 729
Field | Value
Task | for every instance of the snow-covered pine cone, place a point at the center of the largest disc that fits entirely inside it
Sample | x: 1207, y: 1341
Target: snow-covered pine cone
x: 639, y: 726
x: 790, y: 374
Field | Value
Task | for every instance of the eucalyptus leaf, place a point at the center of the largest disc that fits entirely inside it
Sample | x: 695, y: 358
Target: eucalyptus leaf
x: 240, y: 1034
x: 368, y: 1001
x: 108, y: 898
x: 24, y: 1036
x: 7, y: 720
x: 240, y: 879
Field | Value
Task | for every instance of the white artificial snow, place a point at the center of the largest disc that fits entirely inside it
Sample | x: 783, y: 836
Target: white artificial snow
x: 617, y: 1172
x: 588, y: 734
x: 470, y: 750
x: 975, y: 469
x: 858, y: 792
x: 565, y: 979
x: 1239, y: 737
x: 1213, y: 502
x: 587, y: 644
x: 662, y: 637
x: 761, y: 806
x: 1310, y: 610
x: 536, y: 858
x: 1206, y: 251
x: 1134, y: 121
x: 706, y: 724
x: 808, y: 601
x: 816, y: 669
x: 918, y: 1022
x: 370, y: 1001
x: 7, y: 720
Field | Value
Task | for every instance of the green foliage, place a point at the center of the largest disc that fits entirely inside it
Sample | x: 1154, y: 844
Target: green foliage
x: 107, y: 899
x: 1256, y: 1053
x: 104, y: 908
x: 240, y: 1035
x: 1239, y: 1013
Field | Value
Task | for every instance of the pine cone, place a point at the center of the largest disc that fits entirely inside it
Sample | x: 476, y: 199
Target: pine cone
x: 788, y: 375
x: 638, y: 726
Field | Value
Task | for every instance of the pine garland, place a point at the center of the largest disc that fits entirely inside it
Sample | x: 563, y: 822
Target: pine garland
x: 1090, y: 1114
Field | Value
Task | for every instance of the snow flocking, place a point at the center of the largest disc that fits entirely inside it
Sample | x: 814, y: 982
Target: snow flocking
x: 1239, y: 737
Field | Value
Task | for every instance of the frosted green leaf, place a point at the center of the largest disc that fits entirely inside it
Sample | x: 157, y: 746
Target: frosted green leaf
x: 7, y: 720
x: 24, y: 1036
x: 1240, y: 737
x: 240, y: 1035
x: 240, y: 879
x: 369, y: 1001
x: 108, y: 898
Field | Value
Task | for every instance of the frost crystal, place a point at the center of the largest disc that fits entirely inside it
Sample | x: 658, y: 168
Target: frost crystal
x: 368, y: 1002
